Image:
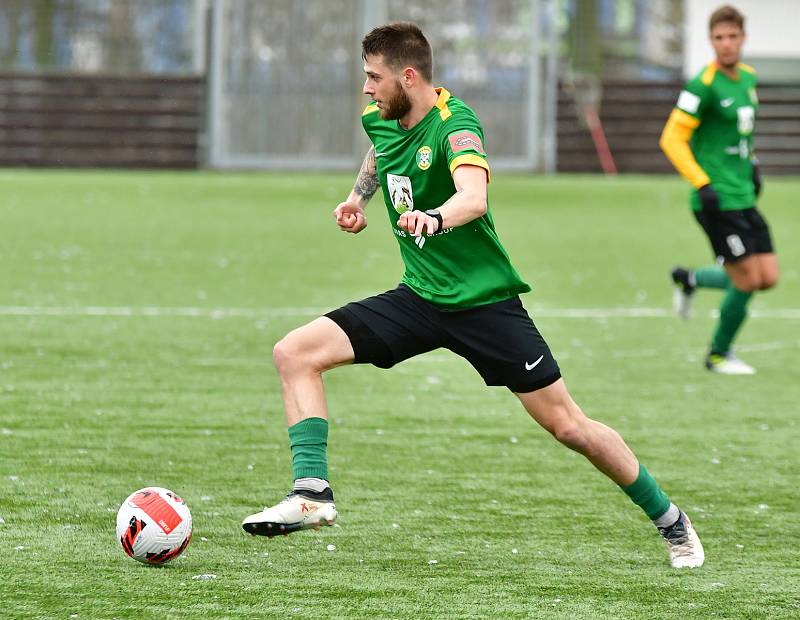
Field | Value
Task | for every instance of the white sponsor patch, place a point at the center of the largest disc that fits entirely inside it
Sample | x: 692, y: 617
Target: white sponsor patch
x: 746, y: 119
x: 688, y: 102
x: 400, y: 192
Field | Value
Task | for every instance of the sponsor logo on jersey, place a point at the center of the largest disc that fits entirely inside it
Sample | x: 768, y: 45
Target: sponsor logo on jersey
x: 688, y: 102
x: 746, y: 119
x: 465, y: 140
x: 726, y: 103
x: 400, y: 192
x: 424, y: 155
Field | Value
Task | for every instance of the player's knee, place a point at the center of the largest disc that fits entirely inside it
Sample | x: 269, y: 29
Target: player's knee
x: 769, y: 281
x: 287, y: 355
x: 298, y: 353
x: 750, y: 284
x: 281, y: 355
x: 572, y: 434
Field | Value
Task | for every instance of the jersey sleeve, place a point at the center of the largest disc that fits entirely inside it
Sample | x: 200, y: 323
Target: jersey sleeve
x: 462, y: 141
x: 694, y: 98
x: 687, y: 116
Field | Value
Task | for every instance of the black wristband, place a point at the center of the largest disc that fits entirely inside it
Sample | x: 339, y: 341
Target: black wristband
x: 434, y: 213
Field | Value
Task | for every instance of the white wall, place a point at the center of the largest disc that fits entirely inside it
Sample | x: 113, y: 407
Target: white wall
x: 772, y: 27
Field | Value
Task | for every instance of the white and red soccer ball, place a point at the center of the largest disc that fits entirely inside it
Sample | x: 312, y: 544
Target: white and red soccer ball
x: 154, y: 525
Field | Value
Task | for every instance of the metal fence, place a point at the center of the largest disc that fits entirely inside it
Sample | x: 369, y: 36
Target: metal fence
x: 123, y: 37
x: 285, y: 77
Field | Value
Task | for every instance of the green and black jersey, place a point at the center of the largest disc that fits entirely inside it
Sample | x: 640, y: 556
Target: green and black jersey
x: 722, y: 142
x: 458, y: 267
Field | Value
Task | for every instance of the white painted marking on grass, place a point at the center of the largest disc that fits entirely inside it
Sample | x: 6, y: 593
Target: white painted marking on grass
x: 154, y: 311
x: 791, y: 314
x: 768, y: 346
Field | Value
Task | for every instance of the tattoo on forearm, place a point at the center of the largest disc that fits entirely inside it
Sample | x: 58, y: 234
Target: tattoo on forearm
x: 367, y: 182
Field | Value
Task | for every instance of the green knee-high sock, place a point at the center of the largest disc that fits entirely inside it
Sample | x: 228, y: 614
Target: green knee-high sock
x: 713, y: 276
x: 732, y: 313
x: 646, y: 494
x: 309, y: 440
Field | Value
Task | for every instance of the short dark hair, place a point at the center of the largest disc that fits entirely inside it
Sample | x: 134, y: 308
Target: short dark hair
x: 401, y: 44
x: 726, y: 14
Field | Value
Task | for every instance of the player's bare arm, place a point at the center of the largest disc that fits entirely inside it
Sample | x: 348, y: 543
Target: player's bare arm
x: 350, y: 213
x: 367, y: 182
x: 467, y: 204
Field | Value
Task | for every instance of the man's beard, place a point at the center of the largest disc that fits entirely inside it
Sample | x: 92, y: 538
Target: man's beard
x: 397, y: 106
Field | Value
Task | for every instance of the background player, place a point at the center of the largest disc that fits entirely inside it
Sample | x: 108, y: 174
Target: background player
x: 709, y: 139
x: 459, y: 291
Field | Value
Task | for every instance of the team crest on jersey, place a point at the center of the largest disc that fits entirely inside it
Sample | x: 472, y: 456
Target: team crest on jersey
x: 465, y: 140
x: 400, y: 193
x: 424, y: 156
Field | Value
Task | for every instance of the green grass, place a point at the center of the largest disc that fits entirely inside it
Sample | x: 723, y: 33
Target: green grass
x: 428, y: 464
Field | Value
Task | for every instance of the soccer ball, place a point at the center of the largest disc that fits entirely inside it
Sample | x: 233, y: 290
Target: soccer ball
x: 154, y: 525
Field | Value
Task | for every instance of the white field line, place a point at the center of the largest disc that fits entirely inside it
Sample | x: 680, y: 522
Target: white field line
x: 791, y: 314
x: 154, y: 311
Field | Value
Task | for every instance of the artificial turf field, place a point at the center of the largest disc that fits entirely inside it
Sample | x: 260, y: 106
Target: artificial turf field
x: 137, y: 316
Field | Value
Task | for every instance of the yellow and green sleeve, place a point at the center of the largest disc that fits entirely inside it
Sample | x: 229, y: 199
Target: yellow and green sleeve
x: 675, y: 144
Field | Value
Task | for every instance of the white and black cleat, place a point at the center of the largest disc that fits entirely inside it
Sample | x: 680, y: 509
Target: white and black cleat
x: 684, y: 291
x: 728, y: 364
x: 683, y: 544
x: 300, y: 510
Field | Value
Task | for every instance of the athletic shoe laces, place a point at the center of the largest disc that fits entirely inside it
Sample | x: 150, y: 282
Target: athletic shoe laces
x: 676, y: 535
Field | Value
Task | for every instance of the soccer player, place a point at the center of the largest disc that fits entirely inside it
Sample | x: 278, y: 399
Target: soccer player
x: 459, y: 291
x: 709, y: 139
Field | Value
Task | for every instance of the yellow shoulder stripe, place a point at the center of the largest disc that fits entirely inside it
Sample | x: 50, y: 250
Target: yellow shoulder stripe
x: 471, y: 160
x: 747, y: 68
x: 369, y: 109
x: 682, y: 118
x: 709, y: 73
x: 441, y: 103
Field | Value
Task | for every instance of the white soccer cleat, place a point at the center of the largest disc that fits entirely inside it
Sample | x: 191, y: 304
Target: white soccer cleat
x: 683, y: 293
x: 682, y: 303
x: 295, y: 512
x: 728, y: 364
x: 683, y: 544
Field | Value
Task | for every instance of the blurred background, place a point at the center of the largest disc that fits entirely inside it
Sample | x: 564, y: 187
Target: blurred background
x: 276, y: 84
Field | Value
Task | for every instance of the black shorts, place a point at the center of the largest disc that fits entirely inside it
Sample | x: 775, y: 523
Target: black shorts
x: 499, y: 340
x: 736, y: 234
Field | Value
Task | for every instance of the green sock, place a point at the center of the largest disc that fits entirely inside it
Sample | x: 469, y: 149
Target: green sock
x: 646, y: 494
x: 309, y: 440
x: 713, y: 276
x: 732, y: 313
